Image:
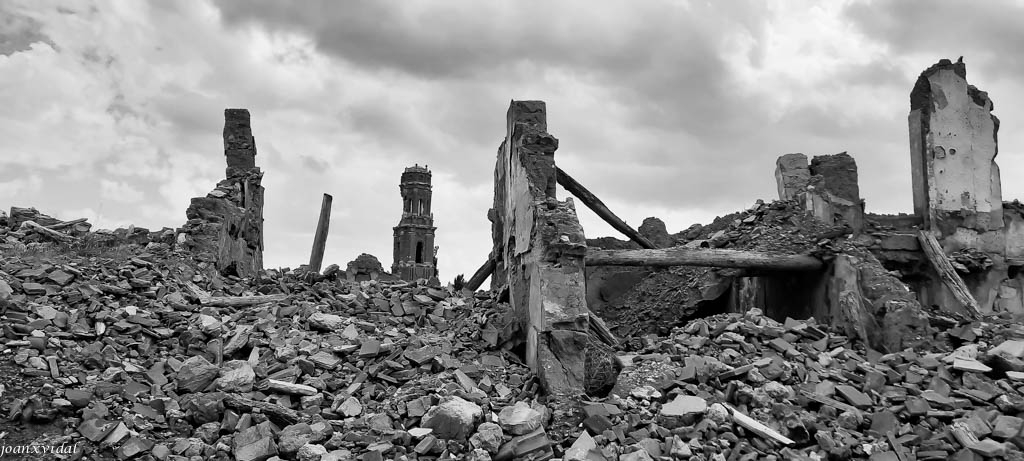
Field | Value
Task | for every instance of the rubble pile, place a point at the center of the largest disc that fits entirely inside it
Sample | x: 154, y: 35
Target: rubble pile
x: 745, y: 387
x: 139, y: 355
x: 665, y: 298
x: 27, y: 228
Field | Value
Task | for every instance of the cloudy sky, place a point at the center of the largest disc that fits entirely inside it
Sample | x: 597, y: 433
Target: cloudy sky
x: 113, y: 110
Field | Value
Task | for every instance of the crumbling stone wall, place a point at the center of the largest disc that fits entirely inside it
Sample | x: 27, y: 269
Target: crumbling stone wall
x: 873, y: 305
x: 366, y: 267
x: 225, y: 228
x: 827, y: 186
x: 539, y: 247
x: 792, y: 175
x: 857, y: 293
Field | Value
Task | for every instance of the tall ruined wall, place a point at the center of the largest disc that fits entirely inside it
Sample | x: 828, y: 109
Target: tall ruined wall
x: 539, y: 248
x: 953, y: 150
x: 225, y: 228
x: 957, y: 187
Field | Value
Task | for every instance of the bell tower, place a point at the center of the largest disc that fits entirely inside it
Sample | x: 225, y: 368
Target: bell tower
x: 414, y: 234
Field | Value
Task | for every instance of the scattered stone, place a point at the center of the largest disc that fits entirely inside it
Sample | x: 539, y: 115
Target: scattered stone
x: 236, y: 376
x: 488, y: 437
x: 454, y: 418
x: 520, y: 418
x: 684, y: 410
x: 196, y: 374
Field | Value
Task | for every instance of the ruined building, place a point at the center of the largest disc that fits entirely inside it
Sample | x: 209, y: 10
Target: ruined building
x: 957, y: 201
x: 225, y: 228
x: 814, y: 253
x: 414, y: 234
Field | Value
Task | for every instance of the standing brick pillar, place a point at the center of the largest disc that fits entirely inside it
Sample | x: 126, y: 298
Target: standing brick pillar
x: 225, y: 228
x: 239, y: 145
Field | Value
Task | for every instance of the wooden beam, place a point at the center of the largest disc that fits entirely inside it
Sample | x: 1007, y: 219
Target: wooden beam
x: 277, y: 413
x: 756, y: 427
x: 316, y: 258
x: 206, y: 299
x: 601, y: 330
x: 64, y: 224
x: 595, y: 204
x: 52, y: 234
x: 706, y: 257
x: 480, y: 275
x: 949, y: 277
x: 242, y: 301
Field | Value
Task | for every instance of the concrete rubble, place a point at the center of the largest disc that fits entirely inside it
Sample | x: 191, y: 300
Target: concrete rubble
x: 178, y: 344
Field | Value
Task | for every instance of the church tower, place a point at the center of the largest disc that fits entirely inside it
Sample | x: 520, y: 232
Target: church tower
x: 414, y: 234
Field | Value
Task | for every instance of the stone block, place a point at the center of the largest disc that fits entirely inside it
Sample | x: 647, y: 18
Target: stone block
x: 791, y: 175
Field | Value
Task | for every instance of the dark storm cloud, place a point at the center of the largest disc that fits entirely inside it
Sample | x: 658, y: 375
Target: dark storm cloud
x: 459, y: 39
x: 659, y: 66
x: 677, y: 129
x: 988, y: 34
x: 662, y: 61
x: 18, y: 32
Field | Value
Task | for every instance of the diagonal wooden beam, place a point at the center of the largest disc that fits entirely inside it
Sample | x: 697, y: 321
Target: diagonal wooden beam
x: 949, y: 277
x: 480, y: 275
x: 595, y: 204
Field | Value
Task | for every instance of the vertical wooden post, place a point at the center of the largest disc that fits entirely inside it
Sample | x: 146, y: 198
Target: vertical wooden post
x: 320, y: 239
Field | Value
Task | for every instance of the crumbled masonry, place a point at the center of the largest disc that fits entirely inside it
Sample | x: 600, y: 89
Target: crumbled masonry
x: 176, y: 344
x: 225, y: 228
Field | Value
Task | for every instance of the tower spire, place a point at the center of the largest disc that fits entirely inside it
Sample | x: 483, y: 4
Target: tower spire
x: 414, y: 234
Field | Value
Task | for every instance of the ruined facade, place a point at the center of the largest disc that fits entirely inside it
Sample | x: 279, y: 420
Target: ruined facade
x: 225, y: 228
x: 957, y: 198
x: 414, y: 234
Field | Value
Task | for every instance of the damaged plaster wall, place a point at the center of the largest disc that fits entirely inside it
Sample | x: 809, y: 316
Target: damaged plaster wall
x: 225, y: 228
x: 953, y: 151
